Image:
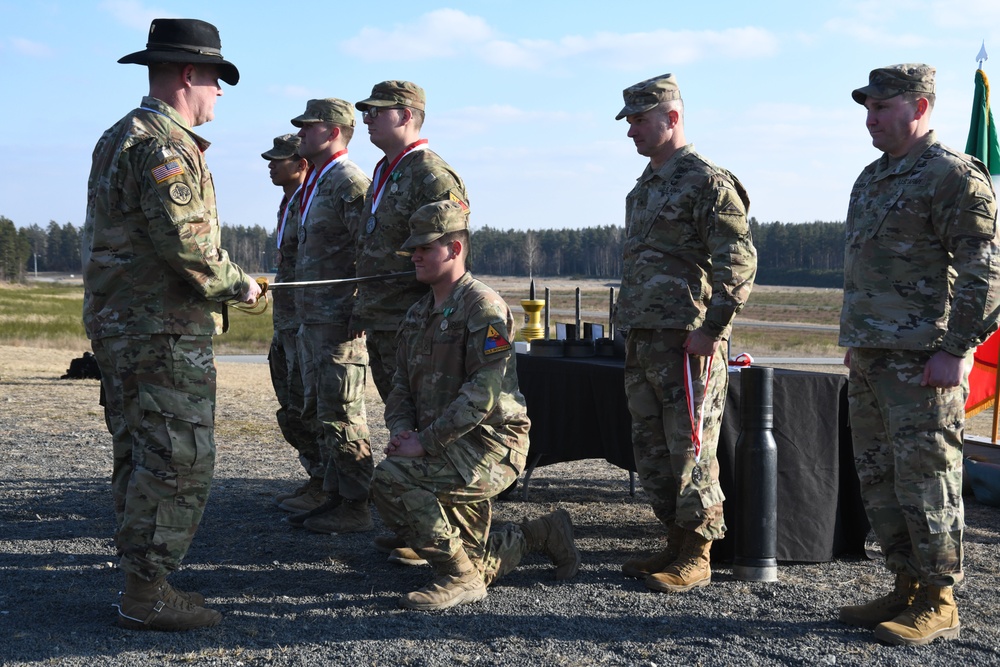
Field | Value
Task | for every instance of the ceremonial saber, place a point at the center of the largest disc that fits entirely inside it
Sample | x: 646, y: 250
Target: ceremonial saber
x: 343, y: 281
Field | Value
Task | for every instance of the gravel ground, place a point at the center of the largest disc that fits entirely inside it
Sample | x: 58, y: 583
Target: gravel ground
x: 294, y: 598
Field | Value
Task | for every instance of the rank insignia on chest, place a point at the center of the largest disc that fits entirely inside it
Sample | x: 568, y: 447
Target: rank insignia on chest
x: 167, y: 170
x: 495, y: 342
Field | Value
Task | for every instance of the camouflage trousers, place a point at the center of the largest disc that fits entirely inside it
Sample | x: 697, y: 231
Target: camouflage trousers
x: 908, y: 451
x: 286, y: 378
x: 160, y: 410
x: 427, y: 502
x: 382, y: 346
x: 333, y: 380
x: 681, y: 490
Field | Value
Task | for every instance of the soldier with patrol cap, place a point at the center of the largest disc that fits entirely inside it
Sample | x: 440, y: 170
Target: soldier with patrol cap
x: 689, y: 265
x: 155, y: 285
x: 408, y: 176
x: 920, y: 293
x: 288, y: 170
x: 458, y: 426
x: 333, y: 362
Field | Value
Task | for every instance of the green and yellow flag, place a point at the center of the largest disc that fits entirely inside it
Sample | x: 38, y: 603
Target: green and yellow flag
x: 982, y: 142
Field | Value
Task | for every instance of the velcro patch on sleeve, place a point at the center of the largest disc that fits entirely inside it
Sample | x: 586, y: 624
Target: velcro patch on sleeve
x: 495, y: 342
x: 167, y: 170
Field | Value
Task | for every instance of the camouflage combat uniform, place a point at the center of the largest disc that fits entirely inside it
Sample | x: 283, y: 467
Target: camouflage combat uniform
x: 333, y: 363
x: 420, y: 177
x: 920, y: 275
x: 286, y: 375
x: 154, y: 277
x: 456, y: 387
x: 689, y: 263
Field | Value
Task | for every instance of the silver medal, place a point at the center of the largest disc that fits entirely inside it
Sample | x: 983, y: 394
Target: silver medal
x: 393, y: 188
x: 444, y: 325
x: 370, y: 227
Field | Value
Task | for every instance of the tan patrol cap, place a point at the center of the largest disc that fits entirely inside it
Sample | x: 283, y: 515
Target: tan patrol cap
x: 647, y: 94
x: 395, y: 93
x: 886, y: 82
x: 285, y: 147
x: 432, y: 221
x: 327, y: 110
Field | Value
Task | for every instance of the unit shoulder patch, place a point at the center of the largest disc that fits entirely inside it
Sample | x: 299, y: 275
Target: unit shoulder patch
x: 180, y: 194
x: 495, y: 342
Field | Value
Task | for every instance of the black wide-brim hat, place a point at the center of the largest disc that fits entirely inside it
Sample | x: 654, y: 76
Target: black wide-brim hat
x: 184, y: 41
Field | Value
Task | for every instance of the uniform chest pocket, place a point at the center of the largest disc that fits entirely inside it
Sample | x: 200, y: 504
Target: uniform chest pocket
x: 903, y: 225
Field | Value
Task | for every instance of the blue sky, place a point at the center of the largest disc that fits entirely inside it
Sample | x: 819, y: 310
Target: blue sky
x: 521, y: 95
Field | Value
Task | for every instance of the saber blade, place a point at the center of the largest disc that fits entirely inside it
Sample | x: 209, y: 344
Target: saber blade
x: 342, y: 281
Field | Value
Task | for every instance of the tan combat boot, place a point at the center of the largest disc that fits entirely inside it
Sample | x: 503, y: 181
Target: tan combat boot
x: 282, y: 497
x: 459, y: 582
x: 311, y: 498
x: 399, y: 553
x: 933, y: 615
x: 691, y: 569
x: 641, y: 567
x: 298, y: 520
x: 350, y: 516
x: 882, y: 609
x: 155, y: 605
x: 552, y: 535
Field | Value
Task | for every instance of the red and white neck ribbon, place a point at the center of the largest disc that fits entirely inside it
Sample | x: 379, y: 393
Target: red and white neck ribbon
x: 380, y: 179
x: 696, y: 411
x: 284, y: 215
x: 312, y: 180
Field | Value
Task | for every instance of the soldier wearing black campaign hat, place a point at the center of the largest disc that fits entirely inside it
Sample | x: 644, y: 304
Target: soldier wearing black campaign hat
x: 156, y: 284
x: 184, y: 41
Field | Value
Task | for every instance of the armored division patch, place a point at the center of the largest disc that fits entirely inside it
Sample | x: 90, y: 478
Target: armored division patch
x: 495, y: 342
x: 167, y: 170
x: 180, y: 194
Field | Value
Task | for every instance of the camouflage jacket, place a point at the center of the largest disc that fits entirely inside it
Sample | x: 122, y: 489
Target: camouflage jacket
x: 150, y: 244
x: 456, y: 379
x: 283, y: 301
x: 689, y: 260
x: 420, y: 178
x: 328, y: 229
x: 921, y: 257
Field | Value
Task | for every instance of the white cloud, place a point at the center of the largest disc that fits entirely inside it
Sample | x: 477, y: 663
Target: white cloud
x: 438, y: 34
x: 487, y: 119
x: 133, y: 14
x: 872, y: 33
x: 447, y: 33
x: 29, y: 48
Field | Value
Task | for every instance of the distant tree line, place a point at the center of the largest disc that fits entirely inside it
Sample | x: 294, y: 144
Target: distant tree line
x: 789, y: 253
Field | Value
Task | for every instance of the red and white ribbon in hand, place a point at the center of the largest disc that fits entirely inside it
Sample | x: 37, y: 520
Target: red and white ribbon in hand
x: 696, y: 412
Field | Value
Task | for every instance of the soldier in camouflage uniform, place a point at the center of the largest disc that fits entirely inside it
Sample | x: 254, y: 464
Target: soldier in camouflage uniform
x: 332, y: 360
x: 920, y: 293
x: 155, y: 283
x: 409, y: 176
x: 458, y: 427
x: 689, y: 265
x: 288, y: 170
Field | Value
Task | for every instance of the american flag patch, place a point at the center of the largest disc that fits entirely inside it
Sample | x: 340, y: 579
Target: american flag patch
x: 166, y: 170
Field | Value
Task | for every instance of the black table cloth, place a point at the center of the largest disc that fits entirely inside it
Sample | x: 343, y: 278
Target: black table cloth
x: 578, y: 411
